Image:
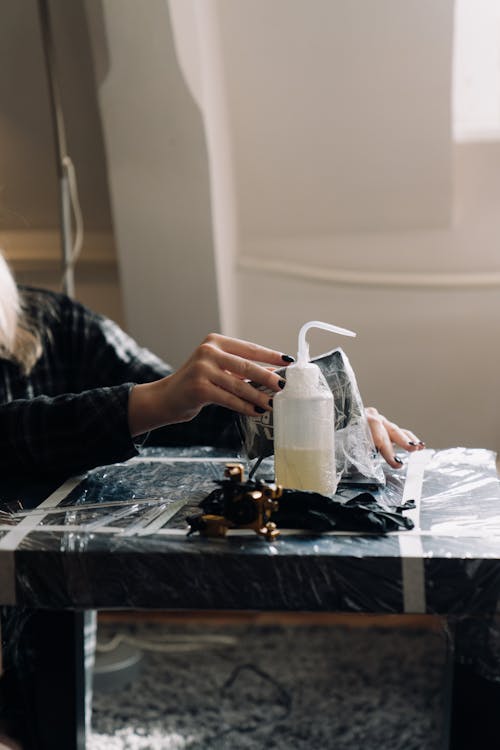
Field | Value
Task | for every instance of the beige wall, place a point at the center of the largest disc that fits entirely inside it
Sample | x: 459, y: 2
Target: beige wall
x: 35, y: 259
x: 29, y: 198
x: 29, y: 201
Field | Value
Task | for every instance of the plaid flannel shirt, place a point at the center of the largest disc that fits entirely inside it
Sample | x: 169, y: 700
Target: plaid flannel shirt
x: 70, y: 412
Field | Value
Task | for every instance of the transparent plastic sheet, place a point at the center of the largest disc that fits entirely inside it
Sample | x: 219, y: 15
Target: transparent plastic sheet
x: 355, y: 452
x: 118, y: 539
x: 460, y: 495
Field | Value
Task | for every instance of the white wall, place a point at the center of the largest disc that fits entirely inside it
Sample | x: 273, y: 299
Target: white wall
x: 158, y: 176
x: 339, y: 114
x: 352, y: 204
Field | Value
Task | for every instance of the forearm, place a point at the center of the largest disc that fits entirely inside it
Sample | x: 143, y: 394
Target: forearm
x: 221, y: 371
x: 160, y: 403
x: 213, y: 425
x: 147, y: 409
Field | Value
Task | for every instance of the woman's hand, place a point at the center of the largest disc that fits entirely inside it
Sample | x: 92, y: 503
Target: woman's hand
x: 218, y: 372
x: 385, y: 433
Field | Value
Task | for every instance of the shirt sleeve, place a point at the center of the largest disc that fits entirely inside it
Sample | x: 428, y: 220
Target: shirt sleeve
x: 102, y: 354
x: 213, y: 426
x: 77, y: 417
x: 65, y: 434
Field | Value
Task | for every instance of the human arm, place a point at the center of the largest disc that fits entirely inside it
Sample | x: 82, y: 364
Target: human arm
x: 71, y: 432
x: 218, y: 372
x: 206, y: 379
x: 85, y: 354
x: 105, y: 355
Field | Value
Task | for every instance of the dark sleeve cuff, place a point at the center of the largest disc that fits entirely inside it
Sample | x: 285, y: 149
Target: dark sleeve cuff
x: 213, y: 426
x: 66, y: 434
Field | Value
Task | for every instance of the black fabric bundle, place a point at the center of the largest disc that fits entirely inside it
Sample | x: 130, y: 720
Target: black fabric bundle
x: 299, y: 509
x: 310, y: 510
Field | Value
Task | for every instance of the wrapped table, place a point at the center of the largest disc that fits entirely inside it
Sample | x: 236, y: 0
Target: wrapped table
x: 116, y: 539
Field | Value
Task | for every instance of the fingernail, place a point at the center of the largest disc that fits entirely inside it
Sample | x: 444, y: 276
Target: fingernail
x: 397, y: 460
x: 287, y: 358
x: 270, y: 402
x: 281, y: 383
x: 421, y: 442
x: 259, y: 409
x: 410, y: 442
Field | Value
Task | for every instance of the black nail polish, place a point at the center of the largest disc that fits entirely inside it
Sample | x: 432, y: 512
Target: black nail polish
x: 397, y: 460
x: 282, y: 383
x: 421, y: 442
x: 259, y: 409
x: 410, y: 442
x: 287, y: 358
x: 270, y: 402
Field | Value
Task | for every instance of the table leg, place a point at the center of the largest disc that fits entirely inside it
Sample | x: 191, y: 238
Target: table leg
x: 449, y: 691
x: 59, y: 681
x: 474, y: 709
x: 43, y: 694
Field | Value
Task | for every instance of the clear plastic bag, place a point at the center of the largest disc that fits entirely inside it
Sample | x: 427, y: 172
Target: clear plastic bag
x: 356, y: 455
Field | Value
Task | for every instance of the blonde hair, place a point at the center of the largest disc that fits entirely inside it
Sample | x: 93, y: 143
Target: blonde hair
x: 20, y: 341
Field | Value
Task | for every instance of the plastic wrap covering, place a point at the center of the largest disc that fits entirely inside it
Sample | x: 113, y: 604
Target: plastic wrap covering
x: 355, y: 452
x: 117, y: 538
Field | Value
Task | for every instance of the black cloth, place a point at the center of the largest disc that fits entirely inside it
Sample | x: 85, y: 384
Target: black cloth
x: 310, y: 510
x: 70, y: 413
x: 301, y: 509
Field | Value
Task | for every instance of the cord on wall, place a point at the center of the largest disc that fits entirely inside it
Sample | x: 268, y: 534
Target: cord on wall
x: 68, y: 271
x: 68, y: 192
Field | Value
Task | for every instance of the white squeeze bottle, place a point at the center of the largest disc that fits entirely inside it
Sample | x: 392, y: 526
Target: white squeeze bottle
x: 304, y: 423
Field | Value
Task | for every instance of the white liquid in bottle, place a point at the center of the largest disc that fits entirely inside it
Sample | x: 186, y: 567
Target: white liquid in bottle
x: 305, y: 469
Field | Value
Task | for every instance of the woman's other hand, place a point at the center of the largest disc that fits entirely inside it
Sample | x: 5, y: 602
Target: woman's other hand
x: 386, y: 433
x: 218, y: 372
